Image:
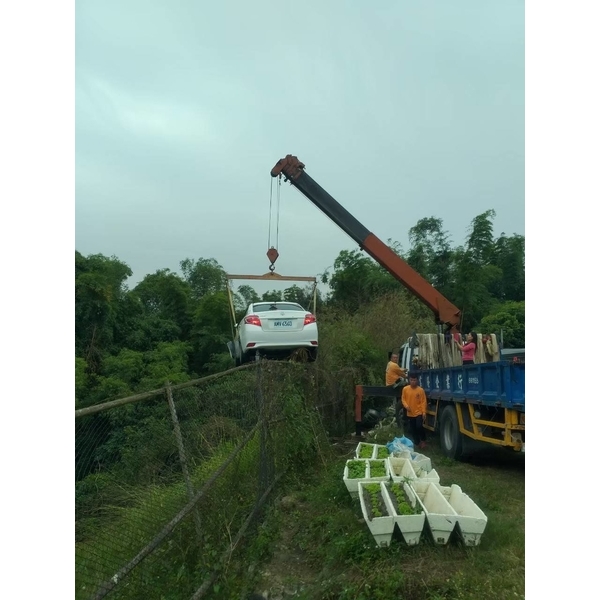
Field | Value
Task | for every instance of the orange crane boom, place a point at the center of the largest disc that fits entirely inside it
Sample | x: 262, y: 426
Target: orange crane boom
x: 445, y: 312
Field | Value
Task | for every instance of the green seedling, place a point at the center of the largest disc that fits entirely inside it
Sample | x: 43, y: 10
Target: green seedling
x: 404, y: 507
x: 366, y: 451
x: 377, y: 468
x: 382, y: 452
x: 372, y: 493
x: 356, y: 469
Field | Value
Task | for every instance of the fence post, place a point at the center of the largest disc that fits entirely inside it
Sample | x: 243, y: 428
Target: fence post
x: 265, y: 464
x: 182, y: 456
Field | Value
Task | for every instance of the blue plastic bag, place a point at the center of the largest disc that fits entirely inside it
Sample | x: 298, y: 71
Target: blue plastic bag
x: 400, y: 444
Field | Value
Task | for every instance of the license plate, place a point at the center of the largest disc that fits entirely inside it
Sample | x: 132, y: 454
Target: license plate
x: 282, y: 324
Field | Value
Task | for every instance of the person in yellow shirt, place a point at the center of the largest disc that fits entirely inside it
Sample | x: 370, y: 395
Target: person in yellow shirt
x: 393, y: 371
x: 394, y: 374
x: 415, y: 403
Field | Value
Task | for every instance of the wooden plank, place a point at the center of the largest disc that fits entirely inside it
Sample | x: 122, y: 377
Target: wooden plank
x: 274, y: 276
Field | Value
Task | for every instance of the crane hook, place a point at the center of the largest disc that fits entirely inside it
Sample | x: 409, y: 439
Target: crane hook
x: 272, y: 255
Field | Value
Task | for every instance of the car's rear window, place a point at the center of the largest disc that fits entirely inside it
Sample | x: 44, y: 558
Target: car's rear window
x: 276, y: 306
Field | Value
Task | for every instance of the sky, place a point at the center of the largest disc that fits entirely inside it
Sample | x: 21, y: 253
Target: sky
x: 399, y: 109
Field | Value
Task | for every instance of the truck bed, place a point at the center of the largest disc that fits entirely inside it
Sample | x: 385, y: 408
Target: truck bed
x: 500, y: 384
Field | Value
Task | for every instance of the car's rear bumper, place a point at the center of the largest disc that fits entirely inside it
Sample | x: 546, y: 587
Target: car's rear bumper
x: 280, y: 340
x: 281, y: 346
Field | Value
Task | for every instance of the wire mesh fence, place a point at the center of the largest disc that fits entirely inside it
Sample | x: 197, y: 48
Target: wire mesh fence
x: 168, y: 483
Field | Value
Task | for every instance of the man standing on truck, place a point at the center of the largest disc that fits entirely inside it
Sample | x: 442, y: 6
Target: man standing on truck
x: 394, y: 376
x: 393, y: 371
x: 415, y: 402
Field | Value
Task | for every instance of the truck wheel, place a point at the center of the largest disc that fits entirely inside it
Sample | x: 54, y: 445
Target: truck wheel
x: 451, y: 439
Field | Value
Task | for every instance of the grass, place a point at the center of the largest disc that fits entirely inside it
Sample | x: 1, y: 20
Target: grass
x: 337, y: 558
x: 316, y: 543
x: 179, y: 565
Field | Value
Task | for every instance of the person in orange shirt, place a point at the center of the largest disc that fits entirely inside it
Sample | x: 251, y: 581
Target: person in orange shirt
x: 415, y: 402
x: 393, y: 371
x: 394, y: 374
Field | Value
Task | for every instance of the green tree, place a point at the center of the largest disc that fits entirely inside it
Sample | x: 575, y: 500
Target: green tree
x: 509, y: 256
x: 81, y: 381
x: 99, y: 289
x: 128, y: 366
x: 509, y: 317
x: 247, y: 295
x: 165, y: 297
x: 475, y: 276
x: 430, y: 253
x: 356, y: 280
x: 204, y: 276
x: 480, y: 242
x: 304, y: 296
x: 168, y: 362
x: 272, y: 296
x: 211, y: 330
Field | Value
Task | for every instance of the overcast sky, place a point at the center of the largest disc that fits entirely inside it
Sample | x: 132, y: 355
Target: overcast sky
x: 399, y: 109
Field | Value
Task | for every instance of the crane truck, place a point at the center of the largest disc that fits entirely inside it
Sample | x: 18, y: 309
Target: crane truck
x: 483, y: 402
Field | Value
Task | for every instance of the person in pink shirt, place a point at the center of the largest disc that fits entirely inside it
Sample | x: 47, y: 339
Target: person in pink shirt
x: 468, y: 348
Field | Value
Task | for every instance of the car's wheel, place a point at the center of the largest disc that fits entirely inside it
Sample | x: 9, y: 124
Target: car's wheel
x: 312, y: 354
x: 241, y: 356
x: 451, y: 439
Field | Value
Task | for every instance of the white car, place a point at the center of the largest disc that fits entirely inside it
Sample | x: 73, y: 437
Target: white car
x: 274, y: 328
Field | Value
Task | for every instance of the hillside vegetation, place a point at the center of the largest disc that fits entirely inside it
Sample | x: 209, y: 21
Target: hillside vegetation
x: 175, y: 326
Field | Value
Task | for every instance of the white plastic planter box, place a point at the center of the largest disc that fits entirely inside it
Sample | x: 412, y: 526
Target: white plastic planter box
x: 404, y: 454
x: 410, y: 526
x: 441, y: 517
x: 471, y: 519
x: 420, y: 461
x: 381, y: 528
x: 364, y: 445
x: 376, y: 450
x: 400, y: 469
x: 403, y: 468
x: 352, y: 484
x: 431, y: 477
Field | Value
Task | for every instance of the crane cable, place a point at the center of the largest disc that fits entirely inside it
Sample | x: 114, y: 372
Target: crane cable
x: 272, y: 252
x: 270, y: 213
x: 278, y: 206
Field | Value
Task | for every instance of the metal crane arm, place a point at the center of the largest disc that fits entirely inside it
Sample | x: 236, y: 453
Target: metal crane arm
x: 445, y: 312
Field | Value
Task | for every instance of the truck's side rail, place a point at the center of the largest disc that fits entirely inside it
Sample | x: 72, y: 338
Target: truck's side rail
x: 499, y: 384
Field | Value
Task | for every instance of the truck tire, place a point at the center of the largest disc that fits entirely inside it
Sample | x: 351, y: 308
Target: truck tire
x: 451, y: 439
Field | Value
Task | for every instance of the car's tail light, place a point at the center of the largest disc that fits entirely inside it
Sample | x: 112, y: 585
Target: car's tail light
x: 252, y: 320
x: 308, y: 319
x: 250, y: 344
